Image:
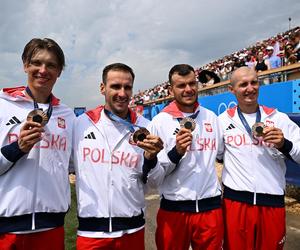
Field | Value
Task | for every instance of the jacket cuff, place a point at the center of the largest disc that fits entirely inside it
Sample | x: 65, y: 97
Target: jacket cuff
x: 147, y: 166
x: 174, y: 156
x: 286, y: 148
x: 12, y: 152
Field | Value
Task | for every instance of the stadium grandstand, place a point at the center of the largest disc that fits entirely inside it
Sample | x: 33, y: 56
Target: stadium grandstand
x: 284, y: 45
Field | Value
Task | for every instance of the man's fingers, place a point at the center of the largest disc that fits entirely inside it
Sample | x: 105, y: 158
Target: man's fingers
x: 30, y: 124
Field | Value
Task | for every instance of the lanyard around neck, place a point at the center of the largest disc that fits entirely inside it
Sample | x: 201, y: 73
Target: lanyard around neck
x: 193, y: 116
x: 244, y: 121
x: 125, y: 122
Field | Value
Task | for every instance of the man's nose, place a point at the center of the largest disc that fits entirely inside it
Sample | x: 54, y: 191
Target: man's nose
x: 188, y: 88
x: 122, y: 92
x: 42, y: 68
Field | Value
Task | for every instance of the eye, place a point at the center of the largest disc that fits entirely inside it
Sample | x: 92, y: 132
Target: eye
x: 35, y: 63
x: 193, y: 84
x: 243, y: 84
x: 52, y: 66
x: 181, y: 85
x: 128, y: 88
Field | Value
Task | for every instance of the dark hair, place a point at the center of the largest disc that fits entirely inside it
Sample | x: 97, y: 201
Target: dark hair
x: 37, y: 44
x: 180, y: 69
x: 116, y: 67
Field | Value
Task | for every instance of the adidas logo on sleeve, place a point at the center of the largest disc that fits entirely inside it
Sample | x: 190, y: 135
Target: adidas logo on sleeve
x: 14, y: 120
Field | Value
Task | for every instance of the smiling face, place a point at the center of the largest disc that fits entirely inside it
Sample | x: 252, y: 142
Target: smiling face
x: 245, y: 87
x: 42, y: 71
x: 117, y: 91
x: 185, y: 91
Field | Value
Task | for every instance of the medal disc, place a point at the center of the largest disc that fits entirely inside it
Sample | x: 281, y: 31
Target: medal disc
x: 38, y: 116
x: 140, y: 134
x: 188, y: 123
x: 258, y: 129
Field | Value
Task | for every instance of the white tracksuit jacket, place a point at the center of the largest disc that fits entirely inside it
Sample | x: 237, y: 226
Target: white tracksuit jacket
x: 108, y: 172
x: 194, y: 177
x: 34, y: 192
x: 251, y: 164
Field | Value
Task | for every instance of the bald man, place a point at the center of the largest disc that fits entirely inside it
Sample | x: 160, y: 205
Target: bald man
x: 257, y: 139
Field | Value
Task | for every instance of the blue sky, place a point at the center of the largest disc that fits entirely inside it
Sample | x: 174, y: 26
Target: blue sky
x: 150, y: 36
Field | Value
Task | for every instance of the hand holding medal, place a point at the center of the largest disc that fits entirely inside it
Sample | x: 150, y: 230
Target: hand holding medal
x: 32, y: 130
x: 274, y: 136
x: 150, y: 143
x: 184, y: 136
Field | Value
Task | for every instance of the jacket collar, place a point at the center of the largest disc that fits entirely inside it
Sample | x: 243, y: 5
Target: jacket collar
x: 95, y: 114
x: 174, y: 111
x: 20, y: 92
x: 265, y: 110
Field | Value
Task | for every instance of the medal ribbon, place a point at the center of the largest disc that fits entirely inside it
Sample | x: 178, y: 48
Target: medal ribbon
x: 244, y: 121
x: 126, y: 122
x: 36, y: 106
x: 193, y: 116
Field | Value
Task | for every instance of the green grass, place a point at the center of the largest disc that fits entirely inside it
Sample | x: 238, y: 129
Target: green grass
x: 71, y: 223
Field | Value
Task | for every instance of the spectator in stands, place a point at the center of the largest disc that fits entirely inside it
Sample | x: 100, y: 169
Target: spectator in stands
x: 250, y: 60
x: 296, y: 41
x: 225, y: 72
x: 257, y: 140
x: 261, y: 64
x: 190, y: 212
x: 273, y: 59
x: 290, y: 56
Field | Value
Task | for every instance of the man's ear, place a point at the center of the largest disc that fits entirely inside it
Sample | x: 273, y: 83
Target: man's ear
x: 102, y: 88
x: 171, y: 90
x: 25, y: 66
x: 230, y: 88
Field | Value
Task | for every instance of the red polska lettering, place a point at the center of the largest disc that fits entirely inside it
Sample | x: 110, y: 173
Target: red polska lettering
x: 49, y: 141
x: 203, y: 144
x: 243, y: 140
x: 96, y: 155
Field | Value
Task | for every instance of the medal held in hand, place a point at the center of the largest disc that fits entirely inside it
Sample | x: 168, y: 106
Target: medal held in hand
x: 188, y: 123
x: 258, y: 129
x: 38, y: 116
x: 140, y: 134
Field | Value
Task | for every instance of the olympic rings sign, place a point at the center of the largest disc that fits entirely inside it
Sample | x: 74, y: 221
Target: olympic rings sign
x: 223, y: 106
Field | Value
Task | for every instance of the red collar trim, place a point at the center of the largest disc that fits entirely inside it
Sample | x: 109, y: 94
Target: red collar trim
x: 95, y: 114
x: 231, y: 111
x: 174, y: 111
x: 267, y: 110
x: 19, y: 91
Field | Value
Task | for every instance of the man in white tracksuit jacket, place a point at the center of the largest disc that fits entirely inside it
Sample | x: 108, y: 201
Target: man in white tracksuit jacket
x: 190, y: 209
x: 34, y: 158
x: 254, y: 167
x: 109, y: 167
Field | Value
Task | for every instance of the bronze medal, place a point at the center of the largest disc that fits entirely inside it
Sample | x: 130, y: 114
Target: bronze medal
x: 258, y: 129
x: 188, y: 123
x: 38, y: 116
x: 140, y: 135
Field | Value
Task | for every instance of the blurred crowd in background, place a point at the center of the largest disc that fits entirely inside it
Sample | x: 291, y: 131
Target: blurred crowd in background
x: 277, y: 51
